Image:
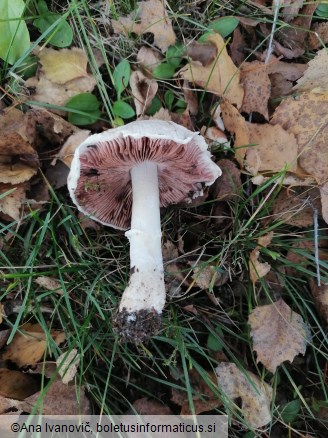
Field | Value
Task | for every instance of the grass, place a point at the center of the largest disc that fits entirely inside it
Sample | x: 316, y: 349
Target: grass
x: 92, y: 267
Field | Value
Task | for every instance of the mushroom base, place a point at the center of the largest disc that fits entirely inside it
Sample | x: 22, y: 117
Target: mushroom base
x: 137, y: 326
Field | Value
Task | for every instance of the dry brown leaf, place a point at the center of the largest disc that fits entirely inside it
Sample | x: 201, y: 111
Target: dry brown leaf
x: 49, y: 283
x: 230, y: 182
x: 319, y: 36
x: 220, y: 77
x: 274, y: 150
x: 237, y: 47
x: 289, y: 70
x: 143, y: 91
x: 17, y: 385
x: 257, y: 269
x: 6, y: 404
x: 205, y: 277
x: 149, y: 58
x: 144, y: 406
x: 60, y: 399
x: 295, y: 207
x: 62, y: 66
x: 320, y: 297
x: 204, y: 399
x: 205, y: 53
x: 66, y: 153
x: 16, y: 173
x: 11, y: 204
x: 290, y: 9
x: 257, y: 86
x: 214, y: 134
x: 255, y: 394
x: 315, y: 78
x: 306, y: 116
x: 17, y: 133
x: 151, y: 17
x: 28, y: 347
x: 278, y: 333
x: 235, y: 123
x: 190, y: 98
x: 67, y: 365
x: 324, y: 201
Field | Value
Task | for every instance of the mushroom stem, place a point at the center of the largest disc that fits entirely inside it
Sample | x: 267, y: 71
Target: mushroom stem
x: 146, y: 290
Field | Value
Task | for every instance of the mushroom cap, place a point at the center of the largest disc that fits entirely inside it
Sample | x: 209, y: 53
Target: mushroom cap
x: 99, y: 180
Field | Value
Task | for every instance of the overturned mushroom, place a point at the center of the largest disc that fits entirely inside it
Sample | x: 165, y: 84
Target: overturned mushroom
x: 121, y: 178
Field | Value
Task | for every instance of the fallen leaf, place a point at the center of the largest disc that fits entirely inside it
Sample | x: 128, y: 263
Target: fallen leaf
x: 237, y: 47
x: 235, y: 123
x: 280, y: 86
x: 62, y: 66
x: 57, y: 175
x: 320, y: 297
x: 229, y: 184
x: 86, y: 223
x: 144, y: 406
x: 258, y: 269
x: 206, y: 277
x: 220, y: 77
x: 190, y: 98
x: 289, y: 70
x: 143, y: 91
x: 295, y: 207
x: 17, y: 385
x: 319, y: 35
x: 49, y: 283
x: 60, y: 399
x: 62, y: 75
x: 205, y: 53
x: 255, y: 394
x: 203, y: 397
x: 67, y: 365
x: 151, y: 17
x: 274, y: 149
x: 17, y: 133
x: 149, y: 58
x: 324, y: 201
x: 278, y: 333
x: 306, y: 116
x: 290, y: 9
x: 315, y: 78
x: 66, y: 153
x: 11, y: 204
x: 214, y: 135
x: 257, y: 86
x: 29, y: 346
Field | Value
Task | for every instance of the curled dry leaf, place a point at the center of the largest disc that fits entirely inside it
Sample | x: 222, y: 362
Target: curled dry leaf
x: 295, y: 207
x: 220, y: 77
x: 278, y: 333
x: 11, y: 204
x: 274, y: 149
x: 255, y: 394
x: 63, y: 75
x: 315, y: 78
x: 149, y: 58
x: 28, y: 347
x: 257, y: 86
x: 320, y: 297
x: 49, y: 283
x: 67, y: 365
x: 66, y: 153
x: 17, y: 385
x: 257, y: 269
x: 151, y: 17
x: 236, y: 124
x: 143, y: 91
x: 59, y: 399
x: 306, y: 116
x: 229, y: 184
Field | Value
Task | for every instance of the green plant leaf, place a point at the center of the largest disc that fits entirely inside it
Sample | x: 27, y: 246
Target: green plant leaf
x: 123, y: 109
x: 180, y: 103
x: 290, y: 411
x: 28, y: 67
x: 88, y: 104
x: 121, y: 77
x: 214, y: 343
x: 174, y: 55
x: 224, y: 26
x: 169, y: 98
x: 322, y: 10
x: 62, y: 34
x: 14, y: 36
x: 164, y: 71
x: 155, y: 106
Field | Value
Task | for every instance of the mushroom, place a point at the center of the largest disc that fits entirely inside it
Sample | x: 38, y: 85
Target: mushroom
x: 121, y: 178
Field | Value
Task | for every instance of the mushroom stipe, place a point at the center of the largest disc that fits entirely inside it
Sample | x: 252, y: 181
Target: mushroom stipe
x: 121, y: 178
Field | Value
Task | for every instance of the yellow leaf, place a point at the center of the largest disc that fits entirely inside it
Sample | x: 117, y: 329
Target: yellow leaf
x: 220, y: 77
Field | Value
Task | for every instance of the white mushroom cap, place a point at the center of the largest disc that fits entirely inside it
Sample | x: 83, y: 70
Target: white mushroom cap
x: 99, y: 181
